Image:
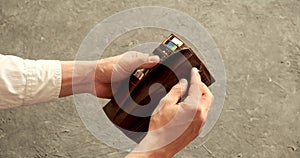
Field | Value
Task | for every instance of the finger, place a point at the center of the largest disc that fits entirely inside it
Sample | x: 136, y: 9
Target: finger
x: 192, y: 101
x: 130, y: 61
x: 175, y: 93
x: 152, y: 61
x: 206, y: 98
x: 195, y: 82
x: 137, y: 59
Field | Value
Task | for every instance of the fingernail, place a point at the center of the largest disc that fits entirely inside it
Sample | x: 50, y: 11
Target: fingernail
x: 195, y: 70
x: 153, y: 59
x: 183, y: 83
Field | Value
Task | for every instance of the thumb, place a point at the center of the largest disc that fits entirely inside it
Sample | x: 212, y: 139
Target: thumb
x: 133, y: 60
x: 175, y: 93
x: 139, y: 60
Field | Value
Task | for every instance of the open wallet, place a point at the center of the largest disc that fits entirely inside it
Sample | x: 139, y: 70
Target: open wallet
x: 133, y: 104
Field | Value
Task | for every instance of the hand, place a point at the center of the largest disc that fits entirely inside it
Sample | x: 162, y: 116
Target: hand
x: 122, y: 66
x: 174, y: 125
x: 96, y: 77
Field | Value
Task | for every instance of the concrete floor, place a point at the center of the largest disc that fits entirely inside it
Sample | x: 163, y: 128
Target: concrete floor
x: 259, y: 42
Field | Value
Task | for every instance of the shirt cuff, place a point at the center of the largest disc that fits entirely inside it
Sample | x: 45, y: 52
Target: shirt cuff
x: 43, y: 79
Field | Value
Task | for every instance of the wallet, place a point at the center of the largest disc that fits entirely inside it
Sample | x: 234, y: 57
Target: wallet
x: 133, y: 104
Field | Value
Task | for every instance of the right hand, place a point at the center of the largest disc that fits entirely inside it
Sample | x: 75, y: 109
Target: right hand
x: 190, y: 117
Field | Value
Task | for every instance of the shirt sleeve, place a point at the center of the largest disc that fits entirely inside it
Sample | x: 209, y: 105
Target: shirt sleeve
x: 24, y: 82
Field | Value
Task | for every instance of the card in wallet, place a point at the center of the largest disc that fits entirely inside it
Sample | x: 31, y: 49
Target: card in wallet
x: 131, y: 112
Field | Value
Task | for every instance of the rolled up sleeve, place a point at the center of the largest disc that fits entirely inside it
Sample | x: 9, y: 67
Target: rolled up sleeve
x: 24, y: 82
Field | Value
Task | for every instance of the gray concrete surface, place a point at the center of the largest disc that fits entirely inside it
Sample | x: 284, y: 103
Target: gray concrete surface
x: 259, y: 41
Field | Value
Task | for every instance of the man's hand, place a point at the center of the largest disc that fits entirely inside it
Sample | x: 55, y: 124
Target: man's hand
x: 96, y: 77
x: 174, y: 125
x: 122, y: 66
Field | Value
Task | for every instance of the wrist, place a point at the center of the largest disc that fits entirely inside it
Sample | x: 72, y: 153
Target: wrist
x: 148, y: 148
x: 103, y: 72
x: 148, y: 154
x: 77, y: 77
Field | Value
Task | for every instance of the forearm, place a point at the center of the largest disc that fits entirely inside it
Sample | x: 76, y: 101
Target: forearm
x: 77, y: 77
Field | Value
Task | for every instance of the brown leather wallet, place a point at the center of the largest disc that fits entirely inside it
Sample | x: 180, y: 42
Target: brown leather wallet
x: 131, y: 108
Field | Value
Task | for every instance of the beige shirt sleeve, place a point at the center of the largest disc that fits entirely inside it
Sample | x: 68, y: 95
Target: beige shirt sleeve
x: 24, y: 82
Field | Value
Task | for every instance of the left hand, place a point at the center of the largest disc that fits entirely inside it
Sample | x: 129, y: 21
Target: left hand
x: 96, y: 78
x: 123, y: 65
